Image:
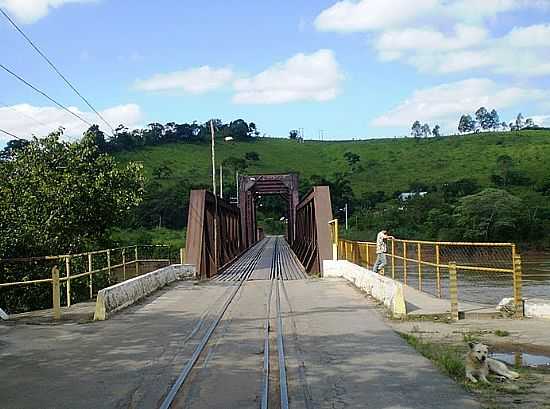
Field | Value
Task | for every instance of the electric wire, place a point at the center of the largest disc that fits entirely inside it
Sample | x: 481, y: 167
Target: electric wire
x: 51, y: 64
x: 10, y: 134
x: 44, y: 94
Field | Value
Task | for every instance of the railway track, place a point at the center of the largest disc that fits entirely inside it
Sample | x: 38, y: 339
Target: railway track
x: 283, y: 266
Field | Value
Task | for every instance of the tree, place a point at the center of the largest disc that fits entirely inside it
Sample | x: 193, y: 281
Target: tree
x: 466, y: 124
x: 494, y: 120
x: 235, y: 164
x: 293, y: 134
x: 426, y: 131
x: 504, y: 126
x: 253, y: 130
x: 491, y: 214
x: 353, y: 159
x: 416, y: 129
x: 483, y: 118
x: 252, y: 156
x: 436, y: 131
x: 519, y: 121
x: 12, y: 147
x: 60, y: 197
x: 529, y: 123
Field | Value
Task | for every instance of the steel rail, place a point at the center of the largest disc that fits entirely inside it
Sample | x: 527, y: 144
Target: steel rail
x: 265, y: 381
x: 283, y: 387
x: 308, y: 399
x: 172, y: 393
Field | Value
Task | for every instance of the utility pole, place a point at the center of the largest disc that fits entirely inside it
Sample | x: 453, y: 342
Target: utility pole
x: 237, y: 180
x: 346, y: 208
x: 221, y: 181
x: 212, y: 142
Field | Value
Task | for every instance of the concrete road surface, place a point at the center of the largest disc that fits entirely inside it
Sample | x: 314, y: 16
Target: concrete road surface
x: 340, y: 354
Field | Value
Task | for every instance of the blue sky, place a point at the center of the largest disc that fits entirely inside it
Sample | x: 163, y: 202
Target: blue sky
x: 353, y: 69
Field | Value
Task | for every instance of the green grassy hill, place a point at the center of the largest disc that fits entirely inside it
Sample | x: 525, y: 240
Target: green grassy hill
x: 389, y: 164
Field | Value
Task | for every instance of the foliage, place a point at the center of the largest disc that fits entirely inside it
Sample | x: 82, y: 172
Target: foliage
x: 129, y: 237
x: 449, y: 167
x: 416, y: 129
x: 450, y: 360
x: 426, y: 131
x: 466, y: 124
x: 491, y: 214
x: 252, y: 156
x: 59, y: 197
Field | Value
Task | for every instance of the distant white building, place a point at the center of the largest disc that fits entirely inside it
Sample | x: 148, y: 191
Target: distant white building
x: 409, y: 195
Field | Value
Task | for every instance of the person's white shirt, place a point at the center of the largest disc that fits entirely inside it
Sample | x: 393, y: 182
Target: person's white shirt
x: 381, y: 242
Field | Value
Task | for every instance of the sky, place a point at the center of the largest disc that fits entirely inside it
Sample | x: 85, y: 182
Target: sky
x: 343, y: 69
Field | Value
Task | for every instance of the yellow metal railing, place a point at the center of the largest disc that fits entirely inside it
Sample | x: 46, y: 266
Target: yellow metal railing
x: 118, y: 264
x: 485, y: 271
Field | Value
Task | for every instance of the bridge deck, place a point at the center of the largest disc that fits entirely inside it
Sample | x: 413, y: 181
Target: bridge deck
x: 274, y: 249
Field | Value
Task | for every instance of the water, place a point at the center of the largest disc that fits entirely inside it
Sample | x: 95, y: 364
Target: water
x: 519, y: 359
x: 485, y: 288
x: 536, y: 275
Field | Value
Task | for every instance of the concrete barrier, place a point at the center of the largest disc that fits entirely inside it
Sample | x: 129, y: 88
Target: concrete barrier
x: 532, y: 307
x: 384, y: 289
x: 128, y: 292
x: 537, y: 308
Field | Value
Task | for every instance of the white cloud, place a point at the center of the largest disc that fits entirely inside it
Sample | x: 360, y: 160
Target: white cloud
x: 194, y: 80
x: 524, y: 51
x: 303, y: 77
x: 445, y: 103
x: 416, y: 39
x: 366, y: 15
x: 535, y: 36
x: 30, y: 11
x: 541, y: 120
x: 371, y: 15
x: 25, y: 120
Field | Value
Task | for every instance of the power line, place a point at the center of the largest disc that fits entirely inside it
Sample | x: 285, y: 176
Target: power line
x: 10, y: 134
x: 44, y: 94
x: 55, y: 68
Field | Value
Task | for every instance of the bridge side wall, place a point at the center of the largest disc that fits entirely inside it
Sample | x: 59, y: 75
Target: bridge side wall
x: 122, y: 295
x: 384, y: 289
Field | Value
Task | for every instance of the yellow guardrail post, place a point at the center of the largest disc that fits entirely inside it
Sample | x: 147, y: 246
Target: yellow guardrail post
x: 438, y: 270
x: 453, y: 291
x: 419, y: 257
x: 90, y: 269
x: 355, y: 253
x: 56, y: 293
x: 368, y: 256
x: 518, y: 271
x: 68, y: 281
x: 405, y: 262
x: 393, y: 259
x: 137, y: 262
x: 335, y: 239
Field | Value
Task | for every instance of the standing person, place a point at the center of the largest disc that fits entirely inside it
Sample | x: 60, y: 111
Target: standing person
x: 381, y: 250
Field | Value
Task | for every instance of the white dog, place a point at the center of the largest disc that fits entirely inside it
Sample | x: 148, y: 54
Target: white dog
x: 479, y: 364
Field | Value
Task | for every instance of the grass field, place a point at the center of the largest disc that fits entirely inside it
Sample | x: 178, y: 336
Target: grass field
x: 389, y: 165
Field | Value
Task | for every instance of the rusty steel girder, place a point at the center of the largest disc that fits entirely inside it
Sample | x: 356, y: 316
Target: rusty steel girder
x: 250, y: 187
x: 212, y: 219
x: 312, y: 244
